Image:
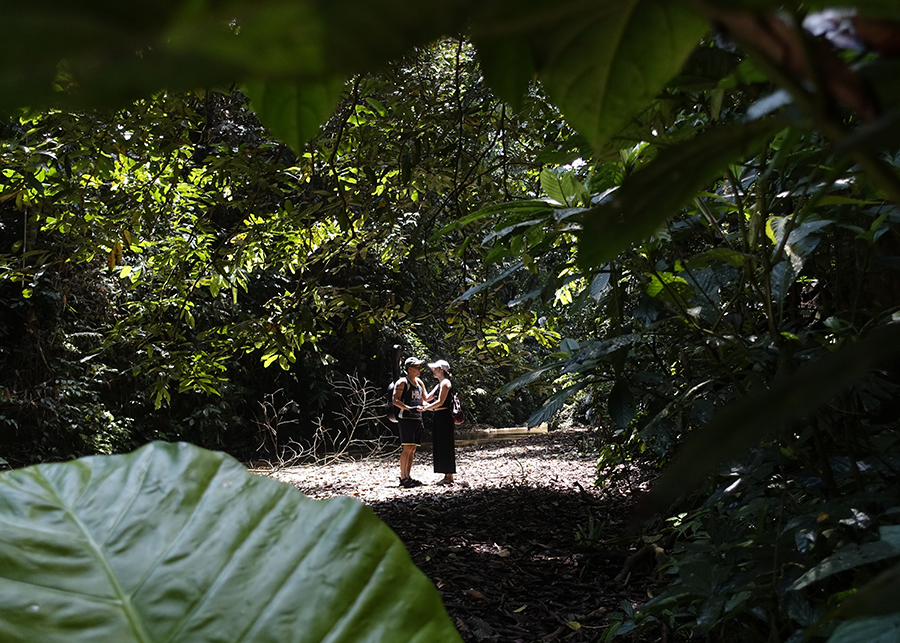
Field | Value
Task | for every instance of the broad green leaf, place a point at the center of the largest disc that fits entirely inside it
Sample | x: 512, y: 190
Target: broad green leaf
x: 174, y: 543
x: 474, y: 290
x: 612, y: 58
x: 708, y: 258
x: 294, y: 112
x: 561, y: 187
x: 600, y: 62
x: 875, y: 598
x: 884, y: 629
x: 525, y: 208
x: 529, y: 378
x: 600, y: 285
x: 801, y: 243
x: 848, y: 557
x: 669, y: 287
x: 553, y: 404
x: 508, y: 66
x: 553, y: 186
x: 596, y: 350
x: 743, y: 423
x: 663, y: 186
x: 885, y: 8
x: 621, y: 405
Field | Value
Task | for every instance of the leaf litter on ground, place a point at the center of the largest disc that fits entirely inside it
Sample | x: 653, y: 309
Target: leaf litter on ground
x: 530, y: 547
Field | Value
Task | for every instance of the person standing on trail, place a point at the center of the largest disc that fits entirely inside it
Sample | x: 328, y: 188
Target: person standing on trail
x: 409, y: 396
x: 444, y: 449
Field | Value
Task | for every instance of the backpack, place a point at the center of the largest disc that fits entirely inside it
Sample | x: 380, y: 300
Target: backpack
x: 456, y: 410
x: 391, y: 412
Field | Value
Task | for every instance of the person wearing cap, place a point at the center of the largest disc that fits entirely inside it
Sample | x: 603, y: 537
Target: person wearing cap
x: 409, y: 396
x: 444, y: 449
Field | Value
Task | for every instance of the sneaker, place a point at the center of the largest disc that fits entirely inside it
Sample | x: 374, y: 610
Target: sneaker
x: 412, y: 482
x: 404, y: 483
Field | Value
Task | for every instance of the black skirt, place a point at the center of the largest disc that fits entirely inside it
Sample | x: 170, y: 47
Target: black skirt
x: 443, y: 448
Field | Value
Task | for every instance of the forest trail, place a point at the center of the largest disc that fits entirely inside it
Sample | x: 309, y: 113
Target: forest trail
x: 514, y: 555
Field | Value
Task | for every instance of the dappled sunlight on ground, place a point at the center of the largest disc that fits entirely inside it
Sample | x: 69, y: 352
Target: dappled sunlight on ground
x: 528, y: 551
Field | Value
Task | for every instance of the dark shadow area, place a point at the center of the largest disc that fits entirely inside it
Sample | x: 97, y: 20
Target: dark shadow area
x: 519, y: 563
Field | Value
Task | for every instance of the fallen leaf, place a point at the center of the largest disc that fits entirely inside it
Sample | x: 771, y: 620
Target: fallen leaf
x: 474, y: 593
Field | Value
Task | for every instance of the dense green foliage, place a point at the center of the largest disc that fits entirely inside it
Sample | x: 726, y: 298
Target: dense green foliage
x: 705, y: 265
x: 176, y: 256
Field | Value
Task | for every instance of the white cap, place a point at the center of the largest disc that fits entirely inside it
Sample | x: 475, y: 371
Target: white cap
x: 441, y: 363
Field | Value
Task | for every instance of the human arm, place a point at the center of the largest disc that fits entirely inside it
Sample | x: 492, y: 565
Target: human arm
x: 442, y: 397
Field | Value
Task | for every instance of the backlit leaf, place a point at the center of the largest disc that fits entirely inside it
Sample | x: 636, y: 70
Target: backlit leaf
x: 612, y: 58
x: 292, y: 111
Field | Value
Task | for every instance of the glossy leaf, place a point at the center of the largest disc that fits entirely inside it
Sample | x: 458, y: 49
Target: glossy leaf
x: 659, y: 190
x: 600, y: 285
x: 848, y: 557
x: 175, y: 543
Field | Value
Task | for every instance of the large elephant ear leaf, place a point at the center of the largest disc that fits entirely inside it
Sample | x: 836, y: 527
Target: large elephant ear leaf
x: 174, y: 543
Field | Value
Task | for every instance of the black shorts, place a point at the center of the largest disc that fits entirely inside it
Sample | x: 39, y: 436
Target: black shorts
x: 410, y: 431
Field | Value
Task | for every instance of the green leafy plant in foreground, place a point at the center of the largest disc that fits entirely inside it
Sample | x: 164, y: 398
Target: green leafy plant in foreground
x: 176, y: 543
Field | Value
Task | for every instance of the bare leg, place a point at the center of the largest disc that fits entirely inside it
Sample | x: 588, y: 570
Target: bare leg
x: 406, y: 460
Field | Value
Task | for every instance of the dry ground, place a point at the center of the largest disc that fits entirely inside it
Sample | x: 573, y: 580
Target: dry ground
x: 528, y: 551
